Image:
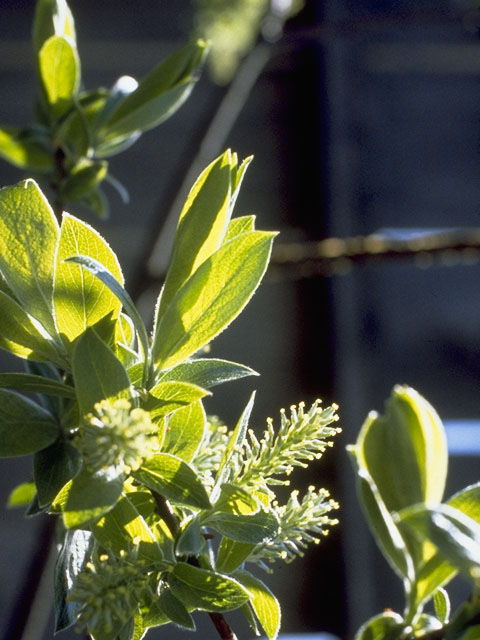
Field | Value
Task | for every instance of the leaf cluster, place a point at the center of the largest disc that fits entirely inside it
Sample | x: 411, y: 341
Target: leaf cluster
x: 76, y: 130
x: 161, y: 507
x: 401, y: 461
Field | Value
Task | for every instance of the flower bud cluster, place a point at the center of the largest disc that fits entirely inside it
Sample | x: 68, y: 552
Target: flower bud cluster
x: 116, y: 435
x: 106, y: 594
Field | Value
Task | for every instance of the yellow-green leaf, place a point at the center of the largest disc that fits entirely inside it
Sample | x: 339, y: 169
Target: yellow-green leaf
x: 19, y: 334
x: 23, y: 151
x: 264, y: 603
x: 80, y: 298
x: 212, y: 297
x: 59, y: 68
x: 28, y: 237
x: 405, y: 450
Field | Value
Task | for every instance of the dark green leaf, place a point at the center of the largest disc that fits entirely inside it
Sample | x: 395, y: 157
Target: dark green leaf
x: 206, y: 590
x: 89, y: 496
x: 74, y: 554
x: 36, y: 384
x: 175, y: 610
x: 25, y: 427
x: 97, y: 372
x: 206, y: 372
x: 255, y: 529
x: 157, y: 96
x: 173, y: 478
x: 53, y: 467
x: 191, y: 541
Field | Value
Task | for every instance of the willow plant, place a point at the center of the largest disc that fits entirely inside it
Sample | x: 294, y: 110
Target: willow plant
x: 161, y: 509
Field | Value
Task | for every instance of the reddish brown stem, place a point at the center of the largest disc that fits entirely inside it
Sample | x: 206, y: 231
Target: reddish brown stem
x: 222, y: 626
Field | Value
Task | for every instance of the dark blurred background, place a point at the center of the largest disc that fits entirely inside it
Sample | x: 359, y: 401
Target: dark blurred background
x: 362, y: 116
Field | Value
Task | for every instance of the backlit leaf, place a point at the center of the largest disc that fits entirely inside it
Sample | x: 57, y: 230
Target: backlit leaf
x: 212, y: 297
x: 174, y: 479
x: 206, y: 590
x: 81, y: 299
x: 265, y: 605
x: 28, y: 237
x: 59, y: 68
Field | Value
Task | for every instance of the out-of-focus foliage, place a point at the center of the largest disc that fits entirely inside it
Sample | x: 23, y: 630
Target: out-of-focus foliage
x: 234, y: 26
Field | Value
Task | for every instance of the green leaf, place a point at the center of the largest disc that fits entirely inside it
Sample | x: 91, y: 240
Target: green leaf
x: 206, y: 590
x: 52, y: 17
x: 25, y: 427
x: 238, y: 226
x: 97, y: 372
x: 441, y: 603
x: 456, y: 535
x: 186, y: 428
x: 19, y: 334
x: 426, y: 623
x: 114, y: 284
x: 83, y: 180
x: 211, y: 298
x: 73, y: 556
x: 191, y: 541
x: 405, y: 451
x: 59, y: 67
x: 122, y: 527
x: 89, y: 497
x: 257, y: 528
x: 80, y: 298
x: 436, y: 571
x: 264, y: 603
x: 22, y: 495
x: 385, y: 626
x: 157, y: 96
x: 166, y: 397
x: 236, y: 500
x: 381, y: 522
x: 53, y: 467
x: 472, y: 633
x: 231, y: 554
x: 36, y: 384
x: 207, y: 372
x: 175, y: 610
x: 201, y: 226
x: 24, y: 151
x: 28, y: 238
x: 235, y: 443
x: 174, y: 479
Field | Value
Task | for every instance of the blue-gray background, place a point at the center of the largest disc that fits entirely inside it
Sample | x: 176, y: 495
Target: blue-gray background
x: 365, y: 117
